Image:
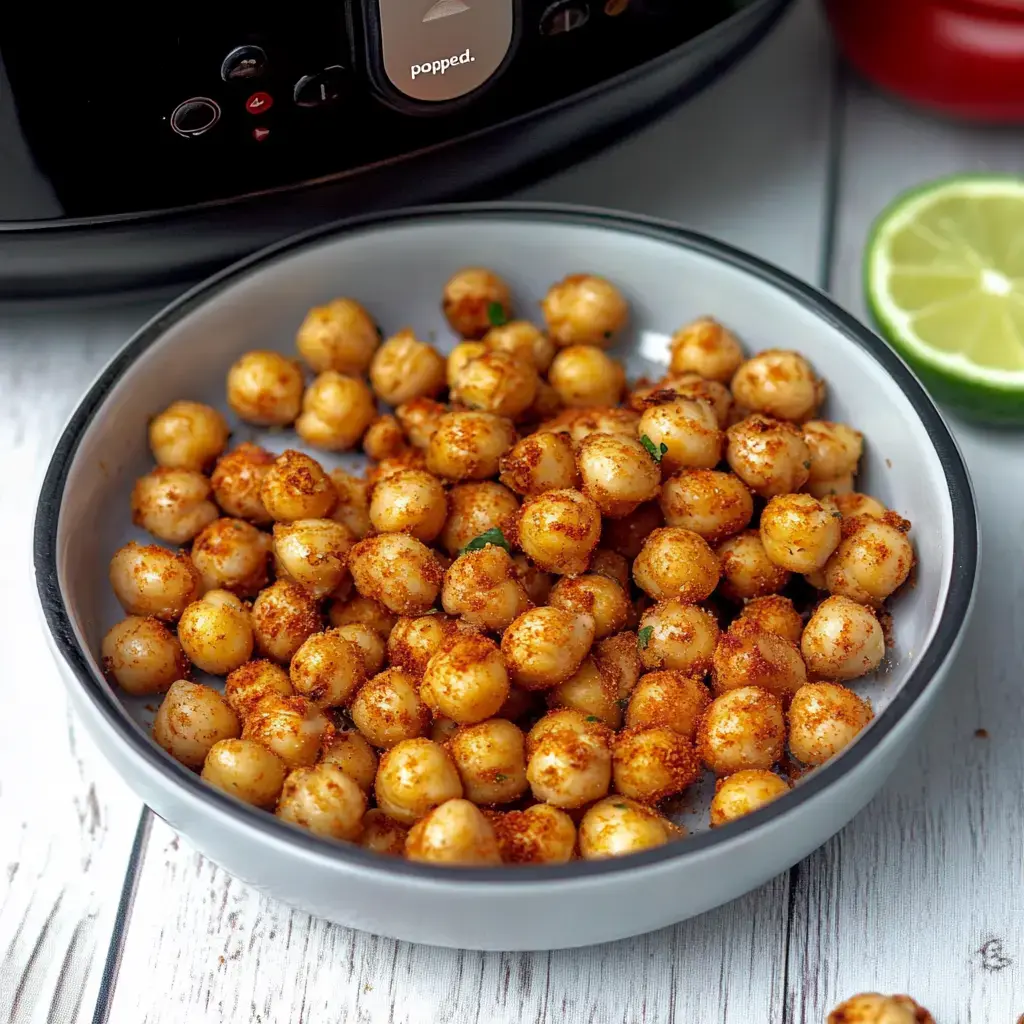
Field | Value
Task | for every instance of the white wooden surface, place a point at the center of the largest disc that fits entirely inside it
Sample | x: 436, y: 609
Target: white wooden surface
x: 922, y: 892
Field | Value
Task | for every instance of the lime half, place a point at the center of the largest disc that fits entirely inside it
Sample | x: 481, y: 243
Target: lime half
x: 944, y: 274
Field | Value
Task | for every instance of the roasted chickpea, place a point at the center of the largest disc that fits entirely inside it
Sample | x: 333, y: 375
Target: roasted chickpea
x: 265, y: 388
x: 747, y: 571
x: 598, y: 596
x: 591, y: 693
x: 769, y: 456
x: 584, y: 376
x: 151, y: 581
x: 414, y: 777
x: 774, y: 614
x: 558, y: 530
x: 296, y: 487
x: 354, y: 756
x: 695, y: 388
x: 404, y: 368
x: 677, y: 635
x: 497, y: 383
x: 215, y: 633
x: 237, y: 479
x: 618, y: 660
x: 340, y: 336
x: 414, y: 641
x: 872, y: 1008
x: 473, y: 509
x: 618, y: 473
x: 463, y: 353
x: 172, y: 504
x: 246, y: 770
x: 618, y: 826
x: 545, y: 646
x: 707, y: 348
x: 676, y: 563
x: 250, y: 683
x: 384, y: 439
x: 474, y: 300
x: 388, y: 709
x: 327, y: 669
x: 854, y: 504
x: 491, y: 759
x: 652, y: 763
x: 835, y: 450
x: 873, y: 559
x: 743, y: 793
x: 324, y: 800
x: 799, y: 532
x: 368, y: 642
x: 569, y: 759
x: 187, y: 435
x: 294, y: 728
x: 453, y: 833
x: 743, y: 728
x: 468, y: 445
x: 541, y: 834
x: 232, y: 554
x: 397, y: 570
x: 283, y: 616
x: 540, y: 462
x: 353, y: 507
x: 382, y: 834
x: 143, y: 656
x: 410, y: 501
x: 670, y: 700
x: 483, y: 587
x: 824, y: 719
x: 831, y: 489
x: 684, y: 431
x: 611, y: 564
x: 466, y: 682
x: 336, y: 412
x: 584, y: 309
x: 313, y: 554
x: 748, y: 656
x: 711, y: 504
x: 581, y: 423
x: 523, y: 341
x: 363, y: 610
x: 627, y: 536
x: 778, y: 383
x: 190, y: 720
x: 842, y: 640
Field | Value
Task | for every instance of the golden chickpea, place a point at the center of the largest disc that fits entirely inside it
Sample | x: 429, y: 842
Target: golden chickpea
x: 340, y: 336
x: 835, y: 449
x: 187, y: 435
x: 354, y: 756
x: 474, y: 300
x: 541, y: 834
x: 618, y: 826
x: 743, y: 793
x: 540, y: 462
x: 601, y: 597
x: 569, y: 759
x: 581, y: 423
x: 831, y: 488
x: 250, y: 683
x: 404, y: 368
x: 497, y: 383
x: 799, y: 532
x: 483, y: 587
x: 143, y: 656
x: 172, y: 504
x: 778, y: 383
x: 872, y: 1008
x: 151, y: 581
x: 584, y: 376
x: 695, y: 388
x: 618, y: 474
x: 611, y: 564
x: 523, y: 341
x: 618, y: 660
x: 327, y: 669
x: 743, y: 728
x: 353, y: 507
x: 591, y: 693
x: 368, y: 642
x: 824, y: 719
x: 384, y: 439
x: 215, y: 633
x: 652, y: 763
x: 312, y: 553
x: 474, y: 509
x: 296, y: 487
x: 453, y: 833
x: 294, y: 728
x: 854, y: 504
x: 711, y: 504
x: 747, y: 656
x: 558, y: 530
x: 676, y: 563
x: 324, y: 800
x: 468, y: 445
x: 265, y: 388
x: 842, y: 640
x: 363, y: 610
x: 873, y: 559
x: 707, y: 348
x: 536, y: 582
x: 414, y: 641
x: 584, y: 309
x: 336, y: 412
x: 284, y: 616
x: 627, y: 536
x: 245, y: 770
x: 419, y: 419
x: 467, y: 682
x: 237, y: 479
x: 414, y: 777
x: 382, y: 834
x: 231, y: 554
x: 678, y: 636
x: 769, y: 456
x: 491, y: 760
x: 774, y: 614
x: 670, y: 700
x: 686, y: 432
x: 190, y: 720
x: 747, y: 571
x: 545, y: 646
x: 388, y: 709
x: 410, y: 501
x: 461, y: 356
x: 398, y: 571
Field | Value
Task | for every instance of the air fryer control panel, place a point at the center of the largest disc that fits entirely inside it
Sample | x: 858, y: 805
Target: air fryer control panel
x: 138, y: 110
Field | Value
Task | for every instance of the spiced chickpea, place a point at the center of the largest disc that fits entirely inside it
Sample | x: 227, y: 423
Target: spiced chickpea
x: 569, y: 759
x: 187, y: 435
x: 467, y: 682
x: 474, y: 299
x: 363, y: 610
x: 676, y: 563
x: 873, y: 559
x: 246, y: 770
x: 799, y: 532
x: 747, y: 571
x: 237, y: 479
x: 397, y: 570
x: 419, y: 419
x: 384, y: 439
x: 404, y: 368
x: 626, y: 536
x: 669, y: 699
x: 558, y: 530
x: 842, y: 640
x: 336, y: 412
x: 382, y: 834
x: 684, y: 431
x: 618, y: 660
x: 618, y: 826
x: 483, y: 588
x: 596, y: 419
x: 248, y: 684
x: 473, y: 509
x: 410, y: 501
x: 463, y: 353
x: 368, y: 642
x: 296, y: 487
x: 313, y: 553
x: 778, y: 383
x: 339, y: 335
x: 831, y: 489
x: 496, y: 382
x: 353, y: 502
x: 231, y: 554
x: 151, y: 581
x: 265, y: 389
x: 835, y: 449
x: 453, y: 833
x: 283, y: 616
x: 190, y: 720
x: 414, y: 641
x: 589, y: 691
x: 855, y: 504
x: 706, y: 347
x: 327, y: 669
x: 388, y: 709
x: 774, y: 614
x: 414, y: 777
x: 743, y: 793
x: 584, y: 376
x: 695, y: 388
x: 744, y: 728
x: 540, y: 462
x: 598, y: 596
x: 491, y: 760
x: 143, y: 656
x: 172, y: 504
x: 824, y: 719
x: 770, y: 456
x: 324, y: 800
x: 350, y: 751
x: 468, y: 445
x: 652, y: 763
x: 617, y: 473
x: 215, y: 633
x: 541, y: 834
x: 545, y: 646
x: 584, y: 309
x: 677, y: 635
x: 294, y: 728
x: 712, y: 504
x: 748, y: 656
x: 611, y: 564
x: 523, y: 341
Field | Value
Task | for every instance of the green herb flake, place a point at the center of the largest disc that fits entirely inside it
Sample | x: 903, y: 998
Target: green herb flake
x: 837, y: 515
x: 656, y: 451
x: 380, y: 331
x: 492, y: 536
x: 643, y: 638
x: 807, y: 464
x: 496, y: 315
x: 607, y: 334
x: 621, y: 807
x: 623, y: 703
x: 592, y: 718
x: 500, y: 778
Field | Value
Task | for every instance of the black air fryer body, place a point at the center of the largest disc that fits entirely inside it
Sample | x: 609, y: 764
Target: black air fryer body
x: 152, y: 145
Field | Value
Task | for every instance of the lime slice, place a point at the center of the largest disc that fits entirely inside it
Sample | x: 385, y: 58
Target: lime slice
x: 944, y: 274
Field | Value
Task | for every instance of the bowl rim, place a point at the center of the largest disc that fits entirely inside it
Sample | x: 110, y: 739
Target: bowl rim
x: 951, y: 621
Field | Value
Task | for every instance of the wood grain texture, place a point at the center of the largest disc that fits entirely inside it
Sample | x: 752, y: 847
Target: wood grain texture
x: 924, y: 891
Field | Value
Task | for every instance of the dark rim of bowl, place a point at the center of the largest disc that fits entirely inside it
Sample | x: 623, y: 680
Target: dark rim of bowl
x: 929, y: 661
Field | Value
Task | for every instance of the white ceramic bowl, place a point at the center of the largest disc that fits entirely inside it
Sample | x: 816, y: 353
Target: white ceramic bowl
x: 397, y: 264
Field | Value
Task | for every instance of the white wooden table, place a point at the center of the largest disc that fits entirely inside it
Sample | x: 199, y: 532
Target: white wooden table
x: 106, y: 916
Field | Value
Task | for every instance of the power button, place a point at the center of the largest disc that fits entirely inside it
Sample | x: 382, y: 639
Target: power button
x: 438, y: 50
